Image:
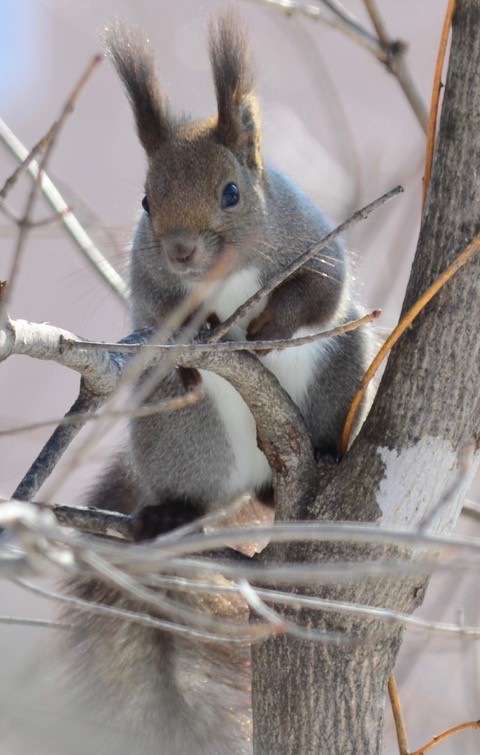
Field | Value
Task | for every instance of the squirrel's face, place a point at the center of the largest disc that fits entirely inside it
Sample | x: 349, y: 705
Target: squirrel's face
x: 201, y: 202
x: 204, y: 188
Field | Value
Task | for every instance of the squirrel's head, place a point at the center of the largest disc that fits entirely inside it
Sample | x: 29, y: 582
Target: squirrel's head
x: 203, y: 191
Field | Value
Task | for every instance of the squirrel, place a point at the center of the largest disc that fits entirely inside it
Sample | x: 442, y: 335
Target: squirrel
x: 208, y: 192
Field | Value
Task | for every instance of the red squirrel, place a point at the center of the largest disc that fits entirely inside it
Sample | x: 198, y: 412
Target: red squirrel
x: 208, y: 191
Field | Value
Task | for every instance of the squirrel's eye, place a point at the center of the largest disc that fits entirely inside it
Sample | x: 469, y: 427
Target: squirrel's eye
x: 145, y: 205
x: 230, y: 196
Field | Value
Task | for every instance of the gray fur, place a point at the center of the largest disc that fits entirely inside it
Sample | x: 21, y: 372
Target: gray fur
x: 164, y: 694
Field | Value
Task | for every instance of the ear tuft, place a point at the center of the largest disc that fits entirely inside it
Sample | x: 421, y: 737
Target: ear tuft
x: 238, y: 125
x: 130, y: 52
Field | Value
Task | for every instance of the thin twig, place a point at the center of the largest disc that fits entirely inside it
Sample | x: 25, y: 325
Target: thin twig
x: 48, y: 138
x: 172, y: 609
x: 99, y: 380
x: 345, y: 532
x: 165, y: 548
x: 297, y: 600
x: 19, y: 221
x: 14, y: 514
x: 277, y: 279
x: 24, y: 223
x: 395, y: 63
x: 222, y: 346
x: 138, y: 618
x: 348, y: 25
x: 398, y: 718
x: 434, y: 103
x: 352, y: 26
x: 396, y: 334
x: 93, y: 521
x: 37, y: 623
x: 75, y: 230
x: 444, y: 735
x: 387, y: 51
x: 147, y: 410
x: 52, y: 132
x: 280, y: 625
x: 53, y: 450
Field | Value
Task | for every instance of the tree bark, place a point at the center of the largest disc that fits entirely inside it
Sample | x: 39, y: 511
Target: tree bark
x: 329, y: 698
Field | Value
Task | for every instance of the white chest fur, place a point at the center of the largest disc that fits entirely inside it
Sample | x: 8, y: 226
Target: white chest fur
x: 292, y: 367
x: 235, y: 291
x: 250, y: 469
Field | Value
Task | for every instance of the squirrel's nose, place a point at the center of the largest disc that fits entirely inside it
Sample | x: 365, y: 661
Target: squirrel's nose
x: 184, y: 253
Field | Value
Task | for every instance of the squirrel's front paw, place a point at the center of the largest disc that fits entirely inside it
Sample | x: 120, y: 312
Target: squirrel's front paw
x: 272, y: 324
x: 152, y: 521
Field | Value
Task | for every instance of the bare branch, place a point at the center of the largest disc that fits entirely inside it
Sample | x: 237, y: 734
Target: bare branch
x: 47, y: 140
x: 445, y: 734
x: 44, y: 341
x: 99, y: 379
x: 169, y: 405
x: 281, y: 625
x: 36, y: 623
x: 389, y: 52
x: 37, y: 534
x: 93, y: 521
x: 56, y: 445
x: 75, y: 230
x: 157, y: 350
x: 136, y: 618
x: 395, y: 62
x: 338, y: 19
x: 298, y: 600
x: 24, y: 225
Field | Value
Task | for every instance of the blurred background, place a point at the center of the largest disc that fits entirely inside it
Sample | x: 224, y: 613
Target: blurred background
x: 334, y: 120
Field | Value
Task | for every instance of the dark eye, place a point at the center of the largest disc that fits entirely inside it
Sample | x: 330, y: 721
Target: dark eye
x: 145, y: 205
x: 230, y: 196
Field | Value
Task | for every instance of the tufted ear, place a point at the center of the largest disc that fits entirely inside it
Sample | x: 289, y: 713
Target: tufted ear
x: 238, y: 124
x: 130, y: 52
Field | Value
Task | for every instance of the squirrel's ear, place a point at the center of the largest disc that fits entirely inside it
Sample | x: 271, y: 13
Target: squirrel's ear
x: 130, y: 52
x: 238, y: 125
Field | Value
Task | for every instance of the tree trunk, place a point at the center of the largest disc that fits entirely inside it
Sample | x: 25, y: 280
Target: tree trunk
x: 314, y: 697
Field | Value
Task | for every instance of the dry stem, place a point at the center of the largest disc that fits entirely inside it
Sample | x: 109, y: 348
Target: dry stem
x: 444, y: 735
x: 398, y: 716
x: 396, y: 334
x: 434, y: 103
